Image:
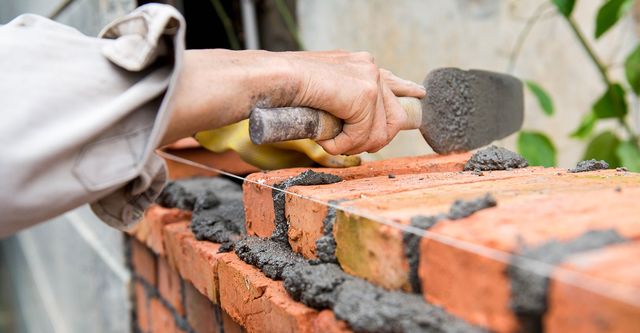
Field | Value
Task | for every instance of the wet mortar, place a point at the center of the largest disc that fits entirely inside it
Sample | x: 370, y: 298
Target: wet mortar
x: 448, y: 108
x: 308, y: 177
x: 529, y: 290
x: 365, y: 307
x: 495, y: 158
x: 326, y: 244
x: 216, y: 205
x: 590, y: 165
x: 458, y: 210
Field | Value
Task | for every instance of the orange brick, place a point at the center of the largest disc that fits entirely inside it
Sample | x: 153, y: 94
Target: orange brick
x: 170, y: 285
x: 230, y: 326
x: 258, y: 198
x: 306, y: 217
x: 375, y: 251
x: 143, y: 261
x: 202, y: 315
x: 142, y: 307
x: 258, y: 303
x: 149, y: 229
x: 196, y: 261
x: 228, y: 161
x: 162, y: 320
x: 326, y: 322
x: 576, y: 309
x: 476, y: 287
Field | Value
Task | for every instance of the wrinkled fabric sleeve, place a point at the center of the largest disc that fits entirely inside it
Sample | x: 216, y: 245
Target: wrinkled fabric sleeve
x: 82, y: 116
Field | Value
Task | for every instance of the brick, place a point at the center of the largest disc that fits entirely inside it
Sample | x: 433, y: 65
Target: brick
x: 258, y: 303
x: 460, y: 280
x: 142, y: 307
x: 230, y: 325
x: 149, y: 229
x: 196, y: 261
x: 162, y: 320
x: 143, y: 262
x: 306, y: 217
x: 202, y: 314
x: 326, y: 322
x: 576, y: 309
x: 258, y: 198
x: 228, y: 161
x: 170, y: 285
x: 374, y: 251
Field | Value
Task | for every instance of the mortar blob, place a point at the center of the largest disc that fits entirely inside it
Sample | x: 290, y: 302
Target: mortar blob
x: 590, y: 165
x: 495, y: 158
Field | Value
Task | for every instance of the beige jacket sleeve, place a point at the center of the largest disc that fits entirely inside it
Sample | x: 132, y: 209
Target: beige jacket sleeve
x: 82, y: 116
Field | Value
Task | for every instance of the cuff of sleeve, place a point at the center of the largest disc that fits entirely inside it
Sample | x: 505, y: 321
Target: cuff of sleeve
x: 125, y: 207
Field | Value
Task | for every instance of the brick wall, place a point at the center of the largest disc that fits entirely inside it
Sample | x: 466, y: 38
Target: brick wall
x: 578, y: 230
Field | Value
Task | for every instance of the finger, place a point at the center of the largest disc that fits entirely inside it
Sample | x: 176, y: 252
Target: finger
x: 376, y: 138
x: 395, y: 114
x: 402, y: 87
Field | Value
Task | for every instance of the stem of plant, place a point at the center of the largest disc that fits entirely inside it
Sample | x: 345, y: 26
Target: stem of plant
x: 601, y: 69
x: 226, y: 22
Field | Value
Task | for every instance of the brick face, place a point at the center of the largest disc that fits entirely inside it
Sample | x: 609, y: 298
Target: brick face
x: 143, y: 262
x: 170, y: 285
x: 577, y: 309
x: 258, y: 303
x: 202, y: 315
x: 149, y: 230
x: 445, y: 269
x: 258, y: 198
x: 142, y: 305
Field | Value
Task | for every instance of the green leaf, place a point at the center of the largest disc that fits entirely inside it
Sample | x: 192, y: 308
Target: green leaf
x: 586, y: 126
x: 543, y: 97
x: 629, y: 155
x: 603, y: 147
x: 632, y: 70
x: 610, y: 13
x: 565, y: 6
x: 612, y: 104
x: 537, y: 148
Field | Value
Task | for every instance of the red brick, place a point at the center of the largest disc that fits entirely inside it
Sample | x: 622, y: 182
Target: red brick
x: 460, y: 280
x: 616, y: 308
x: 196, y: 261
x: 228, y: 161
x: 149, y: 229
x: 230, y: 325
x: 162, y: 320
x: 306, y: 217
x: 258, y: 198
x: 326, y: 322
x: 201, y: 313
x: 258, y: 303
x: 143, y: 261
x: 170, y: 285
x: 142, y: 307
x: 375, y: 251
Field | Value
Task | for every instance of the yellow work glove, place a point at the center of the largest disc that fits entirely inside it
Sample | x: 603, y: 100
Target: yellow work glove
x: 287, y: 154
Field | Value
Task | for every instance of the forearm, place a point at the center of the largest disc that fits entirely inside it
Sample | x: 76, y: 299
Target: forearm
x: 220, y: 87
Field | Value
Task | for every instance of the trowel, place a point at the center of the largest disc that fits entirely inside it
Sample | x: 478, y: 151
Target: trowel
x: 463, y: 110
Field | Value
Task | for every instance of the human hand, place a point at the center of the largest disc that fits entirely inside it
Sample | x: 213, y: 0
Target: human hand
x: 351, y: 87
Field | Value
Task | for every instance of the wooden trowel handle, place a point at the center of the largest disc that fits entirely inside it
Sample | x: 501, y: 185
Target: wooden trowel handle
x: 269, y: 125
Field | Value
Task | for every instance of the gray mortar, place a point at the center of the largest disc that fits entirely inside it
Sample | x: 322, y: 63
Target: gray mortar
x: 447, y: 110
x: 458, y: 210
x: 529, y: 288
x: 216, y: 205
x: 366, y: 308
x: 326, y: 244
x: 308, y: 177
x: 590, y: 165
x: 495, y: 158
x: 271, y: 257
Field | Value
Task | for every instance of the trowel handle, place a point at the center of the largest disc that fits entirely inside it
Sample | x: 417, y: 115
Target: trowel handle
x: 269, y: 125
